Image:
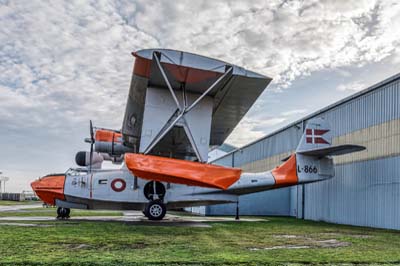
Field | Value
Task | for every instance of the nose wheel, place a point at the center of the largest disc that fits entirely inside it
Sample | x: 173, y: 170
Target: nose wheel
x: 63, y: 213
x: 155, y: 210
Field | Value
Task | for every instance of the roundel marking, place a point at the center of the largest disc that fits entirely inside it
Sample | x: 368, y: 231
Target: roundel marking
x: 118, y: 185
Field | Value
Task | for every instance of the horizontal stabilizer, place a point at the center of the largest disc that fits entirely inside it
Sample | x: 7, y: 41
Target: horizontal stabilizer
x: 333, y: 150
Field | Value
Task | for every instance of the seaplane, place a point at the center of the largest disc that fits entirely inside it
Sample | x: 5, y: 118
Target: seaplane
x: 179, y: 106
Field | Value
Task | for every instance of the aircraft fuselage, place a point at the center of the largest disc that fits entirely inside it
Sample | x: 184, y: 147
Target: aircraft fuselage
x: 120, y: 189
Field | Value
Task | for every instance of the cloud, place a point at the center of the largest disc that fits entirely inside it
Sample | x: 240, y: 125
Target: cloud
x: 252, y: 128
x: 66, y: 62
x: 352, y: 86
x: 74, y: 57
x: 283, y: 39
x: 294, y: 112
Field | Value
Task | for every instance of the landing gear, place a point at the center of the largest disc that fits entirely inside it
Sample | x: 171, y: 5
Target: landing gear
x: 154, y: 190
x: 63, y: 213
x: 155, y: 210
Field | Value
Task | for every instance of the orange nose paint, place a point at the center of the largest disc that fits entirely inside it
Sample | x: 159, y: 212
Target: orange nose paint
x: 49, y: 188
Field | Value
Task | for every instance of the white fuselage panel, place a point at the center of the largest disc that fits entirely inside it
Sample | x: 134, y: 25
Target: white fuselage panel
x: 106, y: 186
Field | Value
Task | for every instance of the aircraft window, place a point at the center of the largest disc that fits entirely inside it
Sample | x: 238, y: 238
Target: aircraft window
x: 76, y: 172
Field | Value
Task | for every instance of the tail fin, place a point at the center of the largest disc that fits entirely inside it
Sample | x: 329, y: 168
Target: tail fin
x: 317, y: 134
x: 314, y: 150
x: 317, y: 138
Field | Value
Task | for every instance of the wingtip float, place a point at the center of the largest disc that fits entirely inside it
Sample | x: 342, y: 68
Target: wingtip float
x: 177, y: 171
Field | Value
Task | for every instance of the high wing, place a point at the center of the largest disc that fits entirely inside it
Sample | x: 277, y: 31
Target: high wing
x: 180, y: 104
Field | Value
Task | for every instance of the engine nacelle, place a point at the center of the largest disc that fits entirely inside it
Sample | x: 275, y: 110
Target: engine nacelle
x: 110, y: 142
x: 112, y: 148
x: 114, y: 159
x: 82, y: 158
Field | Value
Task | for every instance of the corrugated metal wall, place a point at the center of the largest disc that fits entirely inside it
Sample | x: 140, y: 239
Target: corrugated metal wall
x: 262, y: 156
x: 366, y: 188
x: 365, y: 193
x: 274, y: 202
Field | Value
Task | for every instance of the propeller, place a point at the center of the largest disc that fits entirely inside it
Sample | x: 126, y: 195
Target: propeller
x: 92, y: 140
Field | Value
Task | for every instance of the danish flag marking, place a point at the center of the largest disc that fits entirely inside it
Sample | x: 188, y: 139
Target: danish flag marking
x: 314, y: 136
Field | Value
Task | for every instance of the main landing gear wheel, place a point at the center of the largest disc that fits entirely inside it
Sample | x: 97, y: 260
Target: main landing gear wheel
x: 155, y: 210
x: 63, y: 213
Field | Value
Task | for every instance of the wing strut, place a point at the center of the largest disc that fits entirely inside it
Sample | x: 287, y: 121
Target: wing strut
x: 179, y: 114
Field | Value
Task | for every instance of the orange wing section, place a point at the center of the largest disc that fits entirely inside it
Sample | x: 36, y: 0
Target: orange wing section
x: 286, y: 173
x: 185, y: 74
x: 181, y: 171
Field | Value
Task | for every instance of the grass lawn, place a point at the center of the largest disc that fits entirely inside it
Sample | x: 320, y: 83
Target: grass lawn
x: 278, y: 241
x: 11, y: 203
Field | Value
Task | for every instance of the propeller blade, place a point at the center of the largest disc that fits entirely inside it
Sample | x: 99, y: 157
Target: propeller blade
x: 91, y: 131
x: 91, y: 145
x: 91, y: 157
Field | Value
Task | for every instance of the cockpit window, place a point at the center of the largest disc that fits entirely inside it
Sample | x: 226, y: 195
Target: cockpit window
x: 76, y: 171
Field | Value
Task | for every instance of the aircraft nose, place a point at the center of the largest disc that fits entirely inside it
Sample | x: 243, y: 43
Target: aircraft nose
x: 49, y: 188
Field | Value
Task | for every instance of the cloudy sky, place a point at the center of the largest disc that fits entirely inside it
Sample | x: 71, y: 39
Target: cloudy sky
x: 63, y: 63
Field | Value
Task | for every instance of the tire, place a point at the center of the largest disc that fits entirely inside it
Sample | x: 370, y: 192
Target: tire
x: 63, y: 213
x: 155, y: 210
x: 59, y: 212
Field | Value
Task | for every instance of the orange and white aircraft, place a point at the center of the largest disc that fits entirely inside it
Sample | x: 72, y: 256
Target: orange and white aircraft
x: 179, y: 105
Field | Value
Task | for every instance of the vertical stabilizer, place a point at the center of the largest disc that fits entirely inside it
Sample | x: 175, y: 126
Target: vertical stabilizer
x: 317, y: 134
x: 314, y: 153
